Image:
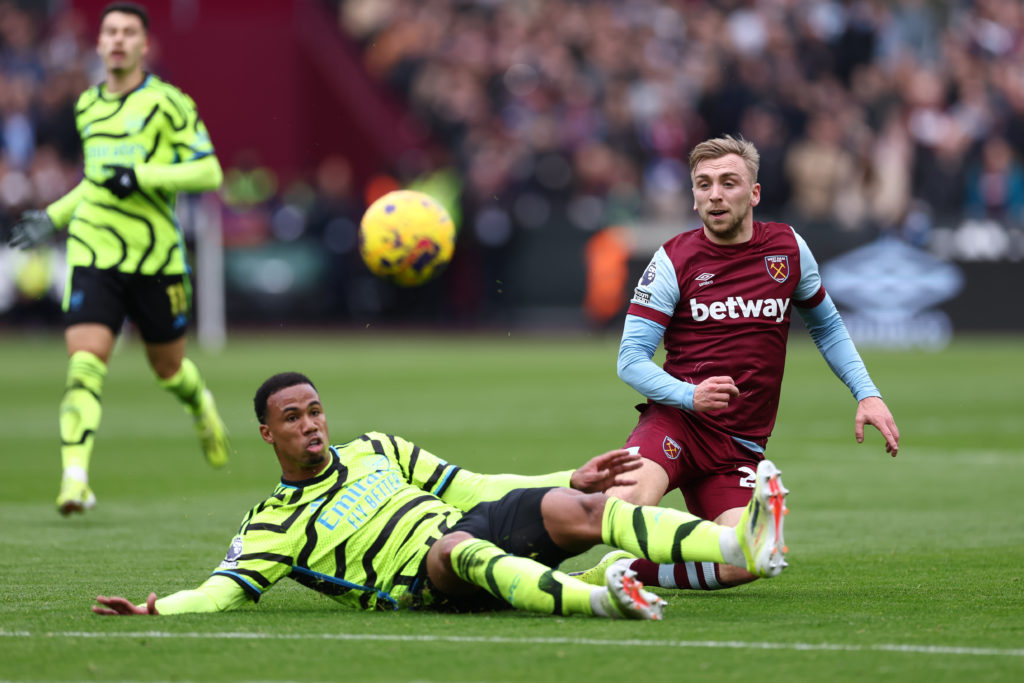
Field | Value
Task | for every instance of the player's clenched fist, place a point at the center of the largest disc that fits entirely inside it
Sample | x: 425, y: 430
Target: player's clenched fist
x: 714, y: 393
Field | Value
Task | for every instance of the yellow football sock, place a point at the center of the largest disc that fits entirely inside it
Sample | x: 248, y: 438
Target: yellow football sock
x: 80, y: 409
x: 660, y: 534
x: 520, y: 581
x: 186, y: 384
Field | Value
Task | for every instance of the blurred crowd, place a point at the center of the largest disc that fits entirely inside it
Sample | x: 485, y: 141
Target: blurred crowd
x: 45, y: 62
x: 871, y: 116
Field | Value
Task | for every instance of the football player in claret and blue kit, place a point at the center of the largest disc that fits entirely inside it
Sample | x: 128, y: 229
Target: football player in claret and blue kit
x: 720, y: 299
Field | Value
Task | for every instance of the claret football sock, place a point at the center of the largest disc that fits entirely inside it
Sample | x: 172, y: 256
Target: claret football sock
x: 701, y: 576
x: 520, y: 581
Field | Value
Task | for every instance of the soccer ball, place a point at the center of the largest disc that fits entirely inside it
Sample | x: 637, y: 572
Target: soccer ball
x: 406, y: 237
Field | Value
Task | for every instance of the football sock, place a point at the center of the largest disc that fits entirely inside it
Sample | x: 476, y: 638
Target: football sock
x: 520, y: 581
x: 665, y: 535
x: 186, y: 384
x: 80, y: 411
x: 701, y: 576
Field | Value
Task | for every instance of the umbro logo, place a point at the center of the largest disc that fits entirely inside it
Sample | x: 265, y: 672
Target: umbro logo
x: 704, y: 279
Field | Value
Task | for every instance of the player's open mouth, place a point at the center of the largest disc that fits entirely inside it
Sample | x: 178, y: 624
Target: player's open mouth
x: 315, y: 444
x: 718, y: 212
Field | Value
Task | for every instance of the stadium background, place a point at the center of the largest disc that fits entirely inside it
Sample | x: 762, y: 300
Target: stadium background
x: 552, y: 121
x: 557, y: 134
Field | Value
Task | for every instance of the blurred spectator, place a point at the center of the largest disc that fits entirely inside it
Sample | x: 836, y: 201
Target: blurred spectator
x: 249, y: 194
x: 763, y: 125
x: 17, y: 136
x: 20, y: 56
x: 995, y: 184
x: 820, y: 169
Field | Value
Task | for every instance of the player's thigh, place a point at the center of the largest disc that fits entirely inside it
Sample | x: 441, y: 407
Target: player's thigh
x: 713, y: 496
x: 652, y: 483
x: 573, y: 518
x: 515, y: 523
x: 159, y: 306
x: 96, y: 338
x: 94, y: 310
x: 658, y: 438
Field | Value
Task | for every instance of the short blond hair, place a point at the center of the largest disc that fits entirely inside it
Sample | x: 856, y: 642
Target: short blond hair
x: 716, y: 148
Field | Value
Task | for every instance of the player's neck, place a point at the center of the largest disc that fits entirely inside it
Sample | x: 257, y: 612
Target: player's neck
x: 743, y: 235
x: 296, y: 472
x: 119, y: 84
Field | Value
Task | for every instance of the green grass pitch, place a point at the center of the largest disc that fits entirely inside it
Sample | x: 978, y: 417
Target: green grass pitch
x: 906, y: 569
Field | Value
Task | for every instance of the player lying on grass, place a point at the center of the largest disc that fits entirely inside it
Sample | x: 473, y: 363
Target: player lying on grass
x: 379, y: 522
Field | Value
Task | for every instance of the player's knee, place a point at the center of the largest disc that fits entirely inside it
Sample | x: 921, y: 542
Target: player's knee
x: 573, y: 519
x: 164, y: 367
x: 442, y: 549
x: 592, y: 505
x: 439, y: 563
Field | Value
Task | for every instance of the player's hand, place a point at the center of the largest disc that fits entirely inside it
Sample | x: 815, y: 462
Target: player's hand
x: 122, y: 183
x: 116, y: 606
x: 714, y: 393
x: 605, y: 471
x: 873, y: 411
x: 32, y: 228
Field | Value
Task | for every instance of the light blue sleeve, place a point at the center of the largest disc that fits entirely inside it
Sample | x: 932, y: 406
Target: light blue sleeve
x: 657, y: 290
x: 828, y: 331
x: 640, y: 339
x: 810, y: 278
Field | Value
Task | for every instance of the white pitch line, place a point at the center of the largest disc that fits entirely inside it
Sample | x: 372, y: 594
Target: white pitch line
x: 709, y: 644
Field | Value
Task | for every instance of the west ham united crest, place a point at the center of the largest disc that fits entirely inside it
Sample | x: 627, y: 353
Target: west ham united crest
x: 671, y: 448
x: 778, y: 267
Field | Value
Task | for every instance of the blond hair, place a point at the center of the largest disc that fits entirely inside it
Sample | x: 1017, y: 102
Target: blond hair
x: 716, y: 148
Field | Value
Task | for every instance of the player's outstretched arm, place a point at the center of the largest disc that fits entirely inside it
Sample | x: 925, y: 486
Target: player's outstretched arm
x: 604, y: 471
x: 873, y: 411
x: 217, y: 594
x: 116, y: 606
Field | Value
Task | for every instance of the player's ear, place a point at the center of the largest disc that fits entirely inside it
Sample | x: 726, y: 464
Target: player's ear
x: 265, y: 433
x: 755, y: 194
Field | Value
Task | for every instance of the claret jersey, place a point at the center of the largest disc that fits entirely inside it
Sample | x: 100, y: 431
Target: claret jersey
x: 726, y: 311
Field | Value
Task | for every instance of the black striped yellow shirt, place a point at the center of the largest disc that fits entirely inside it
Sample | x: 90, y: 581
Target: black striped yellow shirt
x: 357, y: 532
x: 155, y: 124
